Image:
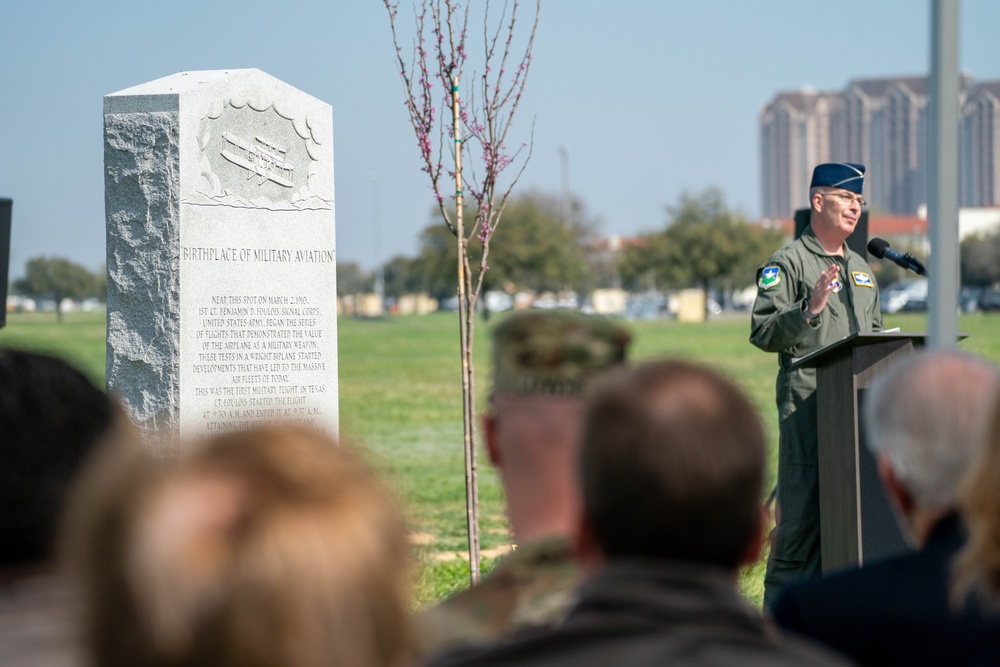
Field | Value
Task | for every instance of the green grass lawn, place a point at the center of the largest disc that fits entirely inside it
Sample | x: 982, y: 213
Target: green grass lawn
x: 400, y: 400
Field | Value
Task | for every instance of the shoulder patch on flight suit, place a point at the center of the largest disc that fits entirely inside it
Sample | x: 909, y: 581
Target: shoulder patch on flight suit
x: 862, y: 279
x: 769, y: 277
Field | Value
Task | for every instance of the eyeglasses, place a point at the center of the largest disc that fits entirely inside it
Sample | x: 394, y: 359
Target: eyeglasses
x: 848, y: 199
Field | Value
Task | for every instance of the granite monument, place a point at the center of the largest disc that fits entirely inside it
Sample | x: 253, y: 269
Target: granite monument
x: 221, y: 253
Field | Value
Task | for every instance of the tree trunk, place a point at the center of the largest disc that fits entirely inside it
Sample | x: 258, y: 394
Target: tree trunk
x: 466, y: 315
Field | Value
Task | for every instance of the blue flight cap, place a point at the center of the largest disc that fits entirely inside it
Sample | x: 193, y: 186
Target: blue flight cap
x: 844, y: 175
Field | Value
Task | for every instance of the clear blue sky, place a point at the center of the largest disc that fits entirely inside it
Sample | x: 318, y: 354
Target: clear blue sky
x: 652, y: 98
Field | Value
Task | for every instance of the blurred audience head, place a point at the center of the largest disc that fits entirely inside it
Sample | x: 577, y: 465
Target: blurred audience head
x: 672, y: 467
x: 543, y: 362
x: 554, y: 353
x: 51, y: 419
x: 924, y: 418
x: 977, y: 570
x: 269, y: 547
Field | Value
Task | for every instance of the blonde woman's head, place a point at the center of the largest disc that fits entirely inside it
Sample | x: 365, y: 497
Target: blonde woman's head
x: 269, y: 547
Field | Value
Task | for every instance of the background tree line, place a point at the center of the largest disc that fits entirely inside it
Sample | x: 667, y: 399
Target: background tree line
x: 533, y: 249
x: 702, y: 243
x: 57, y: 278
x: 981, y: 259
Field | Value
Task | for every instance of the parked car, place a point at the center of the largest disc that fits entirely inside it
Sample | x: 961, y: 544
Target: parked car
x: 905, y: 296
x: 646, y: 306
x: 989, y: 299
x: 496, y: 301
x: 968, y: 299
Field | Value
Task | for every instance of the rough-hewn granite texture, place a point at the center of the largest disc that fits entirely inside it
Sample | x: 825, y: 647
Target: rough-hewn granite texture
x: 141, y: 167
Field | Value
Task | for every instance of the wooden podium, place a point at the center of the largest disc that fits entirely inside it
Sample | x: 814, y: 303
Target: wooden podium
x: 856, y: 519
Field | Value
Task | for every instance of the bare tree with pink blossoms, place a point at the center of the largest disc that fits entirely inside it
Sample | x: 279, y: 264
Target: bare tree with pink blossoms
x: 450, y: 124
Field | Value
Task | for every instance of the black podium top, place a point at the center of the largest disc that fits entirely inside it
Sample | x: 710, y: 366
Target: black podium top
x: 836, y: 348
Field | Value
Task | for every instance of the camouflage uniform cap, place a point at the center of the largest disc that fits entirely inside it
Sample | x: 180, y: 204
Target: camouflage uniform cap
x: 554, y: 353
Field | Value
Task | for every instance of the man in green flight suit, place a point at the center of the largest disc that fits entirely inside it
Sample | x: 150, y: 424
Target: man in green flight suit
x: 810, y: 293
x: 543, y: 362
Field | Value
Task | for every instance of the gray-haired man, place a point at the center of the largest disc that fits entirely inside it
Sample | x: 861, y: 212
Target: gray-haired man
x: 923, y: 420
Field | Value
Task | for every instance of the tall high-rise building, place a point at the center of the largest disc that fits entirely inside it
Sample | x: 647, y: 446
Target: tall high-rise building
x: 883, y: 124
x: 795, y: 133
x: 979, y: 155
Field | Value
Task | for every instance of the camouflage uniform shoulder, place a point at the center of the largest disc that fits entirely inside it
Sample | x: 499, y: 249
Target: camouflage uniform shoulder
x: 533, y: 586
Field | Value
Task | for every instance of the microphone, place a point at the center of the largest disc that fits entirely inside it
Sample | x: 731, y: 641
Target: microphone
x: 881, y: 249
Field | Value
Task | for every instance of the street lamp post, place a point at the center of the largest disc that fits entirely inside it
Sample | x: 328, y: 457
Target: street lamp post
x: 379, y: 271
x: 942, y: 211
x: 567, y: 208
